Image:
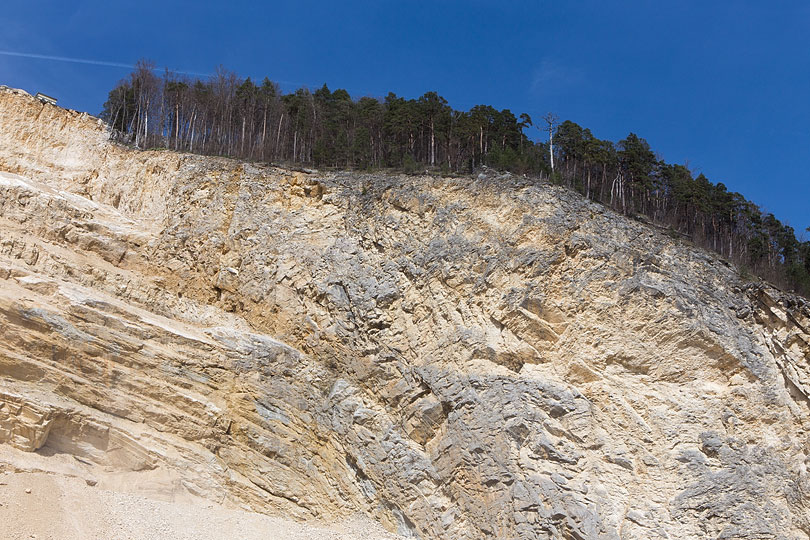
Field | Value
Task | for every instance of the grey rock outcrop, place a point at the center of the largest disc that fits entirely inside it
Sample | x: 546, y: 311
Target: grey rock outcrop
x: 455, y: 357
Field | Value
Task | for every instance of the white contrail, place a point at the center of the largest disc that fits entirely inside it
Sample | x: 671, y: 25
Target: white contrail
x: 86, y: 61
x: 125, y: 66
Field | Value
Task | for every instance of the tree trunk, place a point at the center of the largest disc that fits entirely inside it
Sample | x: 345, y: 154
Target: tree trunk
x: 242, y: 150
x: 146, y: 123
x: 278, y: 133
x: 176, y: 125
x: 264, y: 129
x: 432, y: 145
x: 191, y: 128
x: 588, y: 186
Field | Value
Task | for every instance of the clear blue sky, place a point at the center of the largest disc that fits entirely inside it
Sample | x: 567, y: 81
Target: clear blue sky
x: 723, y: 86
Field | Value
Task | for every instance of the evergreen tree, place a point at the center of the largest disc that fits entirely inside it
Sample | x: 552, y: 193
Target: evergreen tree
x: 227, y: 115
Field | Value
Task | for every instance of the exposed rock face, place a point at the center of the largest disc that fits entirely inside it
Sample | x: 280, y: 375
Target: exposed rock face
x: 456, y: 358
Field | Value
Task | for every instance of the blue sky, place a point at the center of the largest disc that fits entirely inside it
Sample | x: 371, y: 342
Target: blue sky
x: 723, y: 86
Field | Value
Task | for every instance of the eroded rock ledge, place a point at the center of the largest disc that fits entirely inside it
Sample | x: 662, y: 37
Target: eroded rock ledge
x: 457, y: 358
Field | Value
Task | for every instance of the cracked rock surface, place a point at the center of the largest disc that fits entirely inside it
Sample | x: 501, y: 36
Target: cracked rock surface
x: 452, y: 357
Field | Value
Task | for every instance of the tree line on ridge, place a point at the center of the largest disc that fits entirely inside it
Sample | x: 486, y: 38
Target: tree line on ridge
x: 230, y: 116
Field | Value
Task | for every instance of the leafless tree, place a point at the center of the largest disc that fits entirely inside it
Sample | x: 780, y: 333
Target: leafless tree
x: 552, y: 120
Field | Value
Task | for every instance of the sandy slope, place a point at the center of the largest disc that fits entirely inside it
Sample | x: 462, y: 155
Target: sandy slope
x: 57, y: 505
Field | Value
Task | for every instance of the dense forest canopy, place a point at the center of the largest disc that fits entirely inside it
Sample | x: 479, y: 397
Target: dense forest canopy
x: 230, y: 116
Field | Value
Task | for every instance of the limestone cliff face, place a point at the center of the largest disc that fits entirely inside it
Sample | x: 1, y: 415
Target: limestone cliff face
x: 457, y: 358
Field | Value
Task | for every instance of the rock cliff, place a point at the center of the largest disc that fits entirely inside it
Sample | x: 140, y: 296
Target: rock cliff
x: 454, y: 357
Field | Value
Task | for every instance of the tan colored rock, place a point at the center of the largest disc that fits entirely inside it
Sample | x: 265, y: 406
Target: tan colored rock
x: 455, y: 358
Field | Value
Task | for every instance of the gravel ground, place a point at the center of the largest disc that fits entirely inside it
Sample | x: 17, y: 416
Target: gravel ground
x: 50, y: 506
